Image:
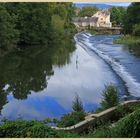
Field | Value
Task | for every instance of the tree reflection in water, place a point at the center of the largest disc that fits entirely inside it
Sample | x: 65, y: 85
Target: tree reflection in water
x: 30, y: 69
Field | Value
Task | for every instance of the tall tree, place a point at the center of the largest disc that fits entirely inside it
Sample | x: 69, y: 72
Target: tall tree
x: 8, y: 33
x: 132, y: 17
x: 88, y: 11
x: 117, y: 15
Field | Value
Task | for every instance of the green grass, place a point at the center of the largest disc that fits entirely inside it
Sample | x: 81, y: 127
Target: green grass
x: 129, y: 40
x: 132, y: 42
x: 126, y: 127
x: 99, y: 32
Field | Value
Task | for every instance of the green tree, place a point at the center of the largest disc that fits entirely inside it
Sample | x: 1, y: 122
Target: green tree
x: 136, y: 30
x: 77, y: 104
x: 132, y: 17
x: 88, y: 11
x: 117, y: 15
x: 110, y: 97
x: 8, y: 34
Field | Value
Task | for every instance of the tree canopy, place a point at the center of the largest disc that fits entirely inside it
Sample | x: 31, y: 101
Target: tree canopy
x: 117, y: 15
x: 88, y: 11
x: 33, y: 23
x: 132, y: 18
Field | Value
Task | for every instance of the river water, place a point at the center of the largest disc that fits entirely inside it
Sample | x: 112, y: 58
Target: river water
x: 43, y: 82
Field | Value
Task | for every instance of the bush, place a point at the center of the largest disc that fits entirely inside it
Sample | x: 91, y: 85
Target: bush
x: 22, y: 128
x: 128, y: 126
x: 71, y: 119
x: 136, y: 30
x: 77, y: 115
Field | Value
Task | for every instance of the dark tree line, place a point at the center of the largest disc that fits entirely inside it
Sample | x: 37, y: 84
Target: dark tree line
x: 128, y: 18
x: 117, y: 15
x: 33, y: 23
x: 132, y: 19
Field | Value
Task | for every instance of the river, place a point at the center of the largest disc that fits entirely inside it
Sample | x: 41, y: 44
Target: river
x: 37, y: 84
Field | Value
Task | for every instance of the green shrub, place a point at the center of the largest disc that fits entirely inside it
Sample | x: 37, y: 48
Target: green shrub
x: 71, y: 119
x: 136, y: 30
x: 22, y: 128
x: 129, y: 126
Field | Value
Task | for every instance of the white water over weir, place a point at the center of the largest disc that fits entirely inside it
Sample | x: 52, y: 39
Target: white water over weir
x: 83, y: 40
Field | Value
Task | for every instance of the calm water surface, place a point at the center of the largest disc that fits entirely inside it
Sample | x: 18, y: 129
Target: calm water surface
x: 38, y: 83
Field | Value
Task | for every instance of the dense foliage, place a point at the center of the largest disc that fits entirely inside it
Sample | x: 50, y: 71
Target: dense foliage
x: 127, y: 127
x: 88, y: 11
x: 71, y: 119
x: 77, y: 114
x: 8, y: 33
x: 33, y: 23
x: 26, y: 129
x: 30, y: 129
x: 117, y: 15
x: 132, y: 18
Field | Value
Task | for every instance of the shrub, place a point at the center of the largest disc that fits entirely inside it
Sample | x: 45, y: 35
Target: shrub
x: 71, y: 119
x: 129, y: 126
x: 136, y: 30
x: 22, y: 128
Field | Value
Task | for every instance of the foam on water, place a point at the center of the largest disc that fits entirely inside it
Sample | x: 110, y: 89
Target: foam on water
x: 132, y: 85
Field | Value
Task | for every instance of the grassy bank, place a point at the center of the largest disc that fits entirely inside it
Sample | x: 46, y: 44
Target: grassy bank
x: 132, y: 42
x: 94, y: 32
x: 127, y: 126
x: 125, y: 123
x: 129, y: 40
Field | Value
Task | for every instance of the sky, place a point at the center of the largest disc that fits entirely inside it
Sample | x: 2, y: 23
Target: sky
x: 109, y: 3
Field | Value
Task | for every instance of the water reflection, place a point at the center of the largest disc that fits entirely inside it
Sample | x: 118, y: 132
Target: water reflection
x: 22, y: 72
x: 42, y: 82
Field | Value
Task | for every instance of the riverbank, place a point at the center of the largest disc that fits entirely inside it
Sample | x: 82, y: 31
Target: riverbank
x: 100, y: 32
x: 129, y: 40
x: 127, y: 126
x: 132, y: 42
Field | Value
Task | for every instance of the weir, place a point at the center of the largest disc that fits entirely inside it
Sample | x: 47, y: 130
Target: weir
x: 130, y: 82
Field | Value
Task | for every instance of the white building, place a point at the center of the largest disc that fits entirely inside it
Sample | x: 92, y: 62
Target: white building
x: 99, y: 19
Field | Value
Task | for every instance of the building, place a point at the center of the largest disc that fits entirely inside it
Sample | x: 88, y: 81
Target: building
x: 99, y: 19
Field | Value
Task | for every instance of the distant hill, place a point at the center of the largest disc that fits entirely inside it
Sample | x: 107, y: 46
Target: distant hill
x: 101, y: 6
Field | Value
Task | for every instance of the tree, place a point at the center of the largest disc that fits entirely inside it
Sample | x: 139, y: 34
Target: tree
x: 77, y: 104
x: 88, y: 11
x: 8, y: 34
x: 34, y: 23
x: 110, y: 97
x: 117, y: 15
x: 136, y: 30
x: 132, y: 17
